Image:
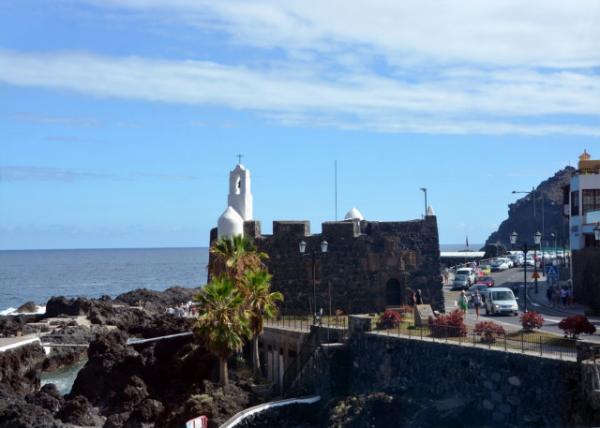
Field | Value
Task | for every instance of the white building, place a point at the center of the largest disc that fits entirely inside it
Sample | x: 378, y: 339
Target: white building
x: 239, y: 204
x: 582, y: 203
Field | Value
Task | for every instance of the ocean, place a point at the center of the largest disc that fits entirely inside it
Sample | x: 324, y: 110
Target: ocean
x: 36, y: 275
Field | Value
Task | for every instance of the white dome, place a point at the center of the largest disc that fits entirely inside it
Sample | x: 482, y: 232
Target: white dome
x: 430, y: 211
x: 230, y: 224
x: 354, y: 214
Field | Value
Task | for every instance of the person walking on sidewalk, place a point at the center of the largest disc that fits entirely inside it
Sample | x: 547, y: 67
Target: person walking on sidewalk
x: 463, y: 303
x: 549, y: 293
x: 418, y: 297
x: 477, y: 302
x: 564, y: 294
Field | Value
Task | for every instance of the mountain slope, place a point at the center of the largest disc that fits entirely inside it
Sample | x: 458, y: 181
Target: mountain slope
x: 521, y: 217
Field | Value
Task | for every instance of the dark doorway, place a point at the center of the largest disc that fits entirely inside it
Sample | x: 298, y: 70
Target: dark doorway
x: 393, y: 293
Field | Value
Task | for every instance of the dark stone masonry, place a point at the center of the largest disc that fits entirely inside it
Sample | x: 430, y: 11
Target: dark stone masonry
x: 369, y: 264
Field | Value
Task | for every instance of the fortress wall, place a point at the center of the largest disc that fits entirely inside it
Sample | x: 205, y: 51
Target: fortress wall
x: 369, y: 265
x: 505, y: 388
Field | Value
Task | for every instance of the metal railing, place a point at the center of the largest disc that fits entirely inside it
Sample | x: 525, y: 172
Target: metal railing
x: 524, y: 342
x: 303, y: 323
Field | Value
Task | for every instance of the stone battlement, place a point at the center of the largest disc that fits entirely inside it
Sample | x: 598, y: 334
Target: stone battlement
x: 369, y: 264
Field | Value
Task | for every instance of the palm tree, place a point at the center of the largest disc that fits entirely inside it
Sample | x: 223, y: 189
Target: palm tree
x: 261, y: 305
x: 235, y: 255
x: 223, y: 321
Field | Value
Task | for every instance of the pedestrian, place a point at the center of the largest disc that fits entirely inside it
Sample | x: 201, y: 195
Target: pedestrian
x: 549, y: 293
x: 569, y: 296
x: 418, y: 297
x: 556, y: 296
x: 463, y: 303
x: 563, y: 296
x: 477, y: 302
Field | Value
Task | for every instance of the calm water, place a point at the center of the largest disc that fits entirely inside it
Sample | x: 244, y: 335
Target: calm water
x: 39, y: 274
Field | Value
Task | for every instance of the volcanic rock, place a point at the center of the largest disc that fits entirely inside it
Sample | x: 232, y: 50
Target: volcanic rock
x: 60, y: 305
x: 47, y: 397
x: 79, y: 411
x: 18, y: 368
x: 158, y: 301
x: 29, y: 307
x: 521, y: 217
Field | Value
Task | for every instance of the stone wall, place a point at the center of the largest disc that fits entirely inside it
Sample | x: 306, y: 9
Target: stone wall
x: 369, y: 265
x: 509, y: 388
x: 586, y: 278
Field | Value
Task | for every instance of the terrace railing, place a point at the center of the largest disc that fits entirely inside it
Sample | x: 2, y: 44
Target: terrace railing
x: 523, y: 342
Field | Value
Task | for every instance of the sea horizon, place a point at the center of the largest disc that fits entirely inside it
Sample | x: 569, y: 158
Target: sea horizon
x: 443, y: 247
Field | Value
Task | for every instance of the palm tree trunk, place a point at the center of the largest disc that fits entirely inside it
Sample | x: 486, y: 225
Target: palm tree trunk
x: 255, y: 355
x: 223, y: 374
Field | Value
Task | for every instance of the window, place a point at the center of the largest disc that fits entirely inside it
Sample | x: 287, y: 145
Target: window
x: 591, y: 200
x: 575, y: 203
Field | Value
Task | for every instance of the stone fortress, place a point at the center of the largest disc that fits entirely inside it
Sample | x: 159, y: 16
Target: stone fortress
x: 368, y: 265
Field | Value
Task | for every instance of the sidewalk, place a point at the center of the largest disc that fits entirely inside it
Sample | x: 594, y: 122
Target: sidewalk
x: 541, y: 299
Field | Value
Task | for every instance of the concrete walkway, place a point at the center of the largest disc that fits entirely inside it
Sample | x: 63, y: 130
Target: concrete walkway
x: 8, y: 343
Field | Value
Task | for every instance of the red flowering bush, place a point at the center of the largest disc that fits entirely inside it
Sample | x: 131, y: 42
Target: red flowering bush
x: 389, y: 319
x: 448, y: 325
x: 531, y: 320
x: 489, y: 330
x: 576, y: 325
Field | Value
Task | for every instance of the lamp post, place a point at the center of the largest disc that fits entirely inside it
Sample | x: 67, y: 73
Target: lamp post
x: 533, y: 200
x: 537, y: 239
x: 313, y: 256
x: 525, y: 248
x: 424, y: 190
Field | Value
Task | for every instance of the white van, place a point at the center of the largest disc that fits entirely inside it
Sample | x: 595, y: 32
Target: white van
x: 469, y: 273
x: 500, y: 300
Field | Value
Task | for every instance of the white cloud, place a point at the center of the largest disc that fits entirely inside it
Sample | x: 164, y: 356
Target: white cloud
x: 503, y: 32
x: 454, y: 101
x: 493, y: 67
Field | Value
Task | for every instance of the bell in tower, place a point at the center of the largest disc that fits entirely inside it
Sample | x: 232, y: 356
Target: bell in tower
x: 240, y: 196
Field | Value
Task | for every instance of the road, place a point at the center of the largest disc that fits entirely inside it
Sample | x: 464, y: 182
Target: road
x: 513, y: 278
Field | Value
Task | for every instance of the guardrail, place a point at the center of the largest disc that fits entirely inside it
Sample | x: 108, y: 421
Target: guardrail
x: 303, y: 322
x: 524, y: 342
x: 239, y: 417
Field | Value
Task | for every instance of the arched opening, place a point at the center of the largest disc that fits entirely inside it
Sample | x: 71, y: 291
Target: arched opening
x: 393, y: 293
x: 238, y: 186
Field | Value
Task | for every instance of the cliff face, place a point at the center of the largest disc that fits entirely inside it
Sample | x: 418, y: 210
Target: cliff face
x: 521, y: 217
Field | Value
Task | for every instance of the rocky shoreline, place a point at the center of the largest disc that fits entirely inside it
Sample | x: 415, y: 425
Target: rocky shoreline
x: 155, y: 384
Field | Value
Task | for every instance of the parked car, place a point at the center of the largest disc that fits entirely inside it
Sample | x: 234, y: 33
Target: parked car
x: 499, y: 265
x: 461, y: 282
x: 488, y: 281
x: 500, y: 300
x: 469, y: 272
x: 486, y: 269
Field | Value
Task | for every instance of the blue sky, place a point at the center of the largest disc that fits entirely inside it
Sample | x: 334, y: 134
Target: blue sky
x: 120, y: 120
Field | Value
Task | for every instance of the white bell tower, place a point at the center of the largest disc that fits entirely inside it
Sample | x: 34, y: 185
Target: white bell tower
x: 240, y: 196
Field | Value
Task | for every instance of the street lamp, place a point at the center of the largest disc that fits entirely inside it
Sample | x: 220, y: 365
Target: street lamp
x: 424, y: 190
x: 525, y: 248
x: 537, y: 239
x: 313, y: 255
x: 533, y: 200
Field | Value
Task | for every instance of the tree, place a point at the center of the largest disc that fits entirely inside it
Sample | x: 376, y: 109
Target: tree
x: 261, y: 305
x: 531, y: 320
x: 222, y: 321
x: 234, y: 256
x: 575, y: 325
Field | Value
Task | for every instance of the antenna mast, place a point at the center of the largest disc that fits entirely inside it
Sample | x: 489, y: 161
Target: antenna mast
x: 335, y: 185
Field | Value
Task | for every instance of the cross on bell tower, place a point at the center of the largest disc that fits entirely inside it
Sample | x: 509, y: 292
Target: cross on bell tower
x: 240, y: 156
